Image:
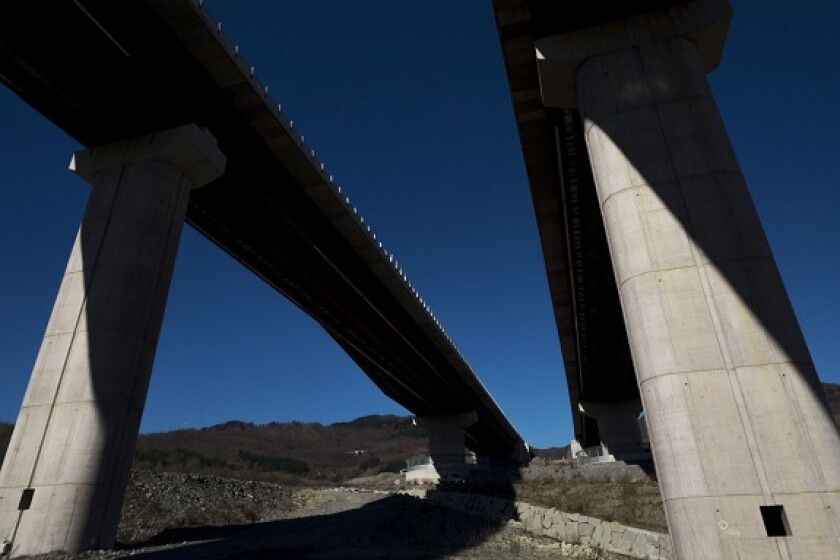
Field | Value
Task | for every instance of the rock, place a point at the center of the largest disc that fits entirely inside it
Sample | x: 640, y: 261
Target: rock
x: 602, y: 535
x: 585, y: 531
x: 158, y: 501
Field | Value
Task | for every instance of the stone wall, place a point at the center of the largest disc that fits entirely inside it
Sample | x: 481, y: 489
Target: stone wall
x: 567, y: 527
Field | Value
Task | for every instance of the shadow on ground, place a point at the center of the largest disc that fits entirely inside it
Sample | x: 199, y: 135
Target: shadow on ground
x: 395, y: 526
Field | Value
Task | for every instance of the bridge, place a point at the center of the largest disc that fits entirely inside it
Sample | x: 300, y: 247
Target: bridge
x: 178, y: 128
x: 663, y: 285
x: 664, y: 288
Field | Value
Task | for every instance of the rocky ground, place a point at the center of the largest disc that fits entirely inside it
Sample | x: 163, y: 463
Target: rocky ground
x: 157, y: 505
x: 190, y: 517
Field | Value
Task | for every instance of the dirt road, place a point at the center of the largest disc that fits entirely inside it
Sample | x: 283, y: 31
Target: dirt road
x: 311, y: 524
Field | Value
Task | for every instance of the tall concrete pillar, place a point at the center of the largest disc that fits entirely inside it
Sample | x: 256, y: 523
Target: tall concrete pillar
x: 618, y: 426
x: 63, y: 480
x: 747, y: 455
x: 446, y: 441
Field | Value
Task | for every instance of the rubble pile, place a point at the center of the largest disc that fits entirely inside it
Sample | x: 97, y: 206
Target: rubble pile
x: 156, y: 502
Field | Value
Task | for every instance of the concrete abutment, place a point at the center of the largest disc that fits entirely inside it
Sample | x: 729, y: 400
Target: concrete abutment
x: 63, y: 480
x: 747, y: 454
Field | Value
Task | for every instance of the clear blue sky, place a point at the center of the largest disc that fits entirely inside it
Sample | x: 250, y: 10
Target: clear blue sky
x: 407, y: 105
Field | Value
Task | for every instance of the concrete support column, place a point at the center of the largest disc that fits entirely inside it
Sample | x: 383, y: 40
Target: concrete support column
x: 63, y: 480
x: 446, y: 441
x: 618, y: 427
x: 747, y: 455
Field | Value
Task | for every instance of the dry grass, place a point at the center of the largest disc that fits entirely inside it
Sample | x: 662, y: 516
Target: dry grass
x: 637, y: 504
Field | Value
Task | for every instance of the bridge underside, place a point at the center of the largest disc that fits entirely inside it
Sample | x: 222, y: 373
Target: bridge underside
x: 587, y: 309
x: 663, y: 284
x: 106, y: 72
x: 178, y: 128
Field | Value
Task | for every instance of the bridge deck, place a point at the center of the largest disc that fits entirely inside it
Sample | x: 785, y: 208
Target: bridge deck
x: 103, y: 71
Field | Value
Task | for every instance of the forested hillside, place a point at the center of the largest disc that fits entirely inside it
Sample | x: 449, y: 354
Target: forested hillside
x: 285, y: 451
x: 296, y: 451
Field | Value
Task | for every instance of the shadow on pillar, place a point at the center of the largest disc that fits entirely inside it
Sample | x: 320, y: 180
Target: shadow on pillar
x: 124, y: 309
x: 737, y: 417
x: 128, y: 267
x: 70, y: 455
x: 619, y: 427
x: 719, y: 220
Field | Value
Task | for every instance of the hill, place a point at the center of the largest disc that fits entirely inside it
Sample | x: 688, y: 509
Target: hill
x: 295, y: 450
x: 286, y: 451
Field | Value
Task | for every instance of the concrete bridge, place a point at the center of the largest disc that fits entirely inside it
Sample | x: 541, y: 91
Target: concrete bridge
x: 178, y: 128
x: 665, y: 291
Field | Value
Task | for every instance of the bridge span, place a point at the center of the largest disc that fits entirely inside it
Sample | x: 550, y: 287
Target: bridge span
x: 179, y: 128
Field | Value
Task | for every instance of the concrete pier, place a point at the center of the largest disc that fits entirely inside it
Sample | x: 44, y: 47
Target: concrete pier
x: 446, y: 441
x: 747, y: 455
x: 63, y: 480
x: 618, y: 426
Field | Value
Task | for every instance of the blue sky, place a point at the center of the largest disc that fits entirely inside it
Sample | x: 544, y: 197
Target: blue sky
x: 407, y: 105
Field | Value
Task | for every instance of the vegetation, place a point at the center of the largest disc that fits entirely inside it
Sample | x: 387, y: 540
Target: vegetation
x: 552, y: 453
x: 288, y: 452
x: 638, y: 504
x: 273, y: 463
x: 312, y: 453
x: 400, y: 426
x: 177, y: 459
x: 391, y: 466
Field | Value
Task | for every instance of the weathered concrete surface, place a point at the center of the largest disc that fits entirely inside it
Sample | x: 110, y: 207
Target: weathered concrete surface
x: 75, y: 434
x: 736, y: 416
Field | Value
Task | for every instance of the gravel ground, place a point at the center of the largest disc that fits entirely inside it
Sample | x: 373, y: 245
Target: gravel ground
x: 158, y: 503
x: 189, y: 517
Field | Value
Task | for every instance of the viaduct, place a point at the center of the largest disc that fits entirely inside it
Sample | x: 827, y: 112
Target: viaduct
x: 179, y: 129
x: 666, y: 294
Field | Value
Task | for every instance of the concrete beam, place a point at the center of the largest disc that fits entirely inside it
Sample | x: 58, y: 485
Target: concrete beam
x: 745, y: 448
x: 63, y: 480
x: 559, y: 57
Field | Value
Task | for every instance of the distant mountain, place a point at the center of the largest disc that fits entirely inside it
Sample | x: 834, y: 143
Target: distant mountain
x: 286, y: 451
x: 295, y: 450
x: 279, y: 451
x: 551, y: 453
